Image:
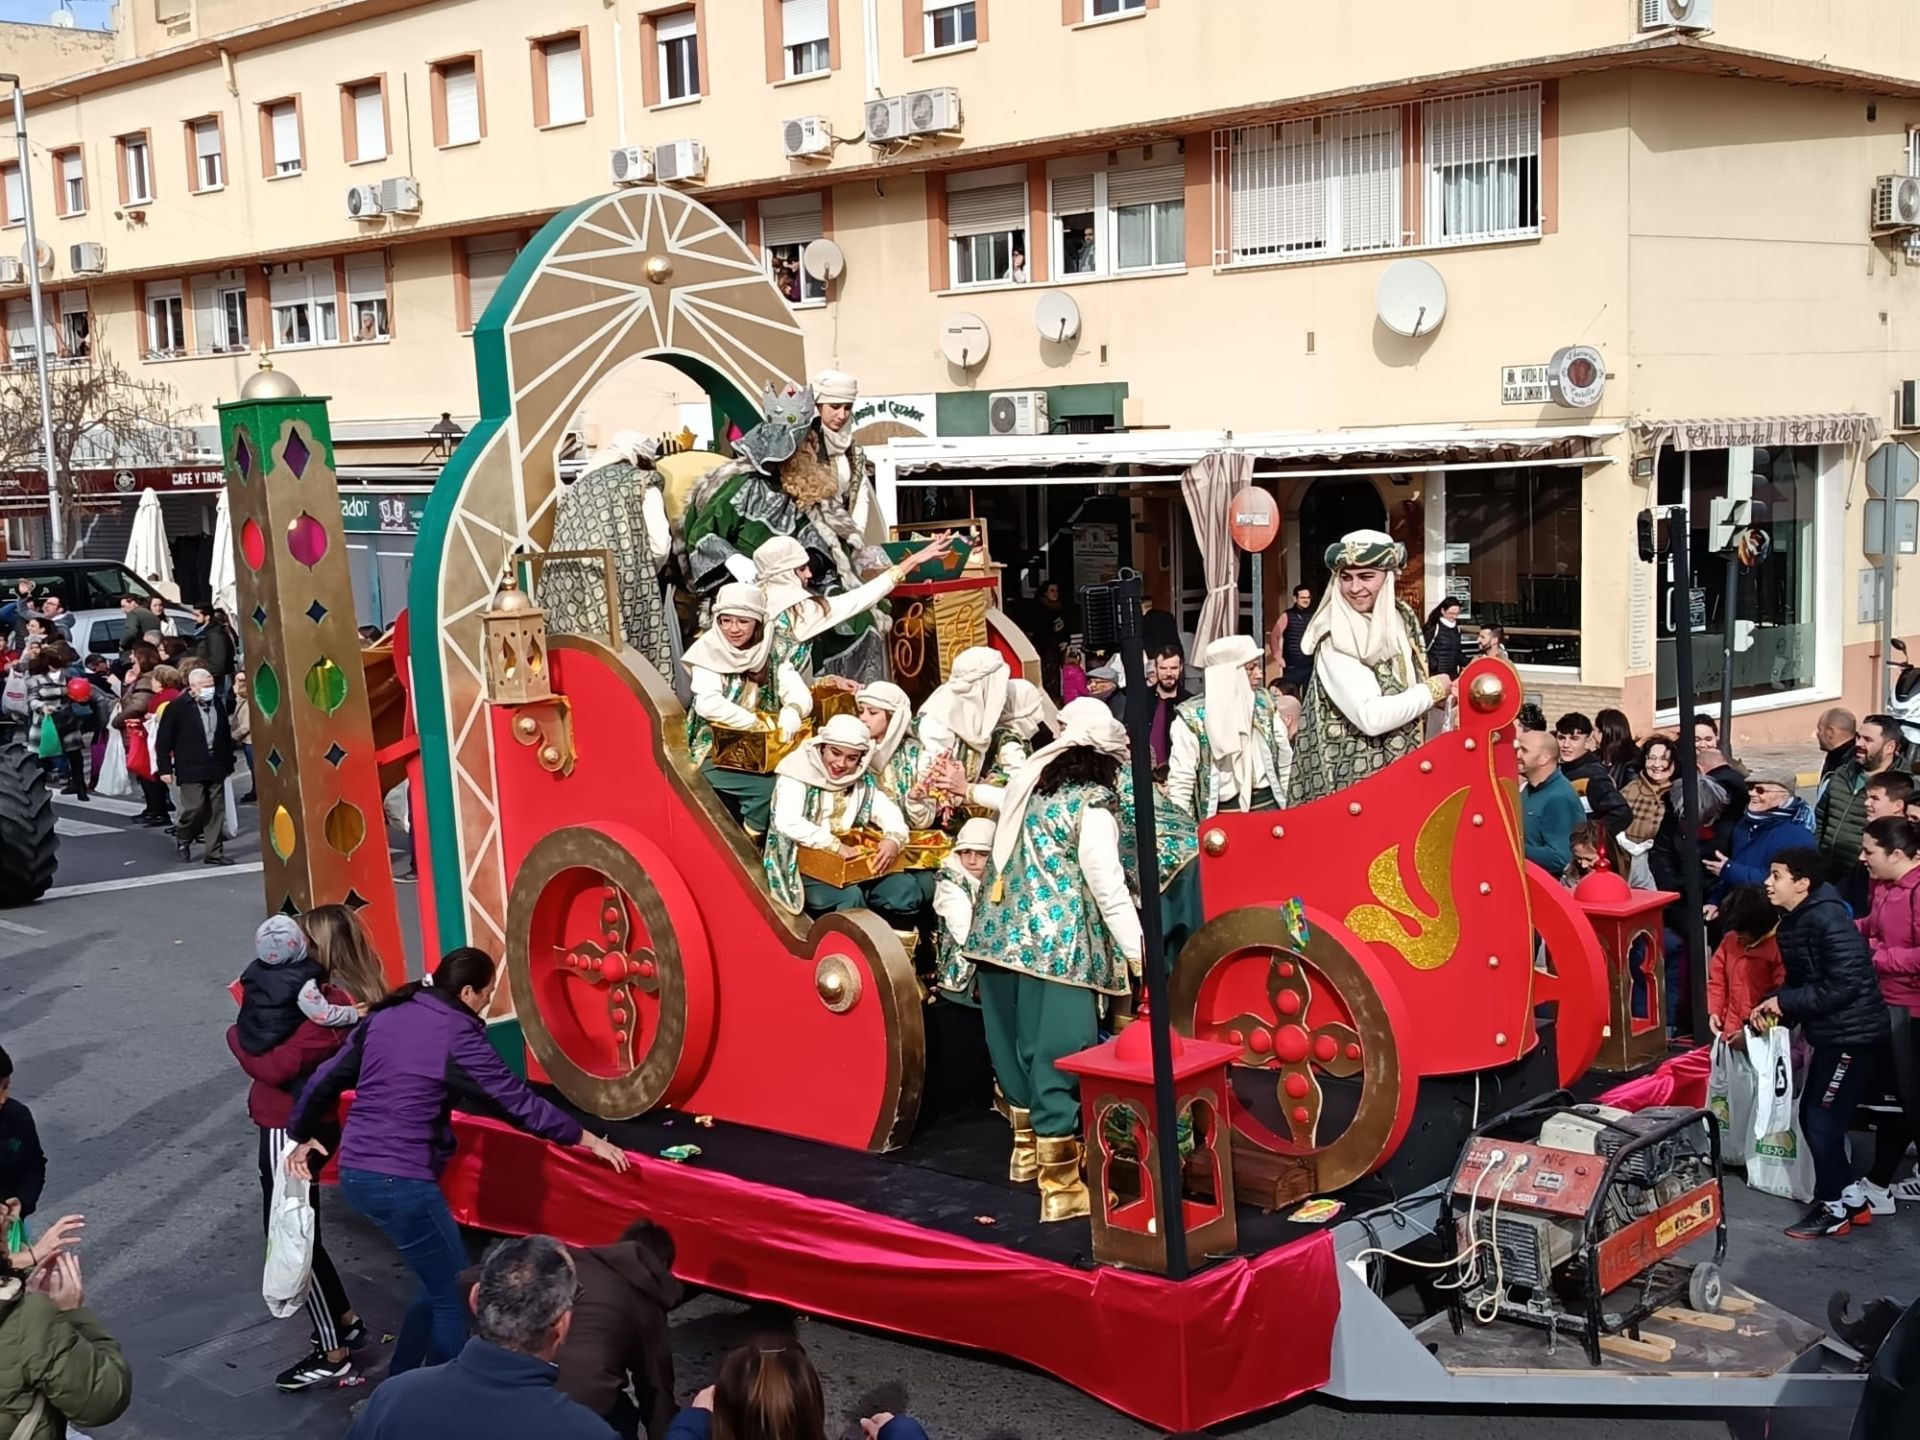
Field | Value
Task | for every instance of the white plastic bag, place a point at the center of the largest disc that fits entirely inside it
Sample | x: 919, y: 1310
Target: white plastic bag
x: 290, y: 1221
x: 1778, y: 1162
x: 1730, y: 1097
x: 230, y: 816
x: 114, y: 778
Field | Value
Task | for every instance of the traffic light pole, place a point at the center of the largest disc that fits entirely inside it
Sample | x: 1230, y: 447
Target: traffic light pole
x: 1728, y: 639
x: 1692, y: 923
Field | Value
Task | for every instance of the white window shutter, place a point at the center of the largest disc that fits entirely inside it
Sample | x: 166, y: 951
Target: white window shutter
x: 1072, y: 194
x: 462, y: 88
x: 1147, y: 185
x: 987, y: 210
x: 369, y: 124
x: 206, y: 139
x: 487, y: 264
x: 70, y: 166
x: 286, y: 135
x: 790, y: 220
x: 367, y: 276
x: 803, y: 21
x: 16, y: 200
x: 566, y: 85
x: 678, y: 26
x: 1504, y: 125
x: 206, y: 314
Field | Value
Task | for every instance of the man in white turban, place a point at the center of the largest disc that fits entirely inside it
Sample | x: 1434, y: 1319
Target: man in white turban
x: 1055, y: 932
x: 1230, y: 751
x: 823, y: 792
x: 1370, y: 691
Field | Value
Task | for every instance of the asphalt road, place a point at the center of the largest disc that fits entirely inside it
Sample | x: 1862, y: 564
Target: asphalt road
x: 112, y: 1004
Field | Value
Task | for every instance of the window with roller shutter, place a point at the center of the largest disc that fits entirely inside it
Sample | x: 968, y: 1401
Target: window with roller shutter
x: 458, y: 115
x: 367, y: 312
x: 206, y: 144
x: 488, y: 258
x: 787, y: 226
x: 560, y: 81
x: 280, y: 138
x: 219, y: 312
x: 677, y: 39
x: 805, y: 37
x: 987, y: 226
x: 364, y: 119
x: 304, y: 302
x: 13, y: 196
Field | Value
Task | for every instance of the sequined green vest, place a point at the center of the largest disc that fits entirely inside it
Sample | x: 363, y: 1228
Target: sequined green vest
x: 786, y: 650
x: 1206, y: 785
x: 1176, y: 836
x: 955, y: 971
x: 782, y: 858
x: 1331, y: 752
x: 1038, y: 917
x: 736, y: 688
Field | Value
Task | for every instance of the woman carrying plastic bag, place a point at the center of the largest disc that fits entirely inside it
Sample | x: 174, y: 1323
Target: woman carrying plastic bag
x: 290, y: 1222
x: 114, y: 777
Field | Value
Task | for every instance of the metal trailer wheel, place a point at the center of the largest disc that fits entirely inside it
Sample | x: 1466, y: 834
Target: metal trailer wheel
x: 1704, y: 1288
x: 29, y: 850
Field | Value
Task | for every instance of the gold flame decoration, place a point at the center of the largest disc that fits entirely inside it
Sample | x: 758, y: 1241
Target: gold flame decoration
x: 1424, y: 938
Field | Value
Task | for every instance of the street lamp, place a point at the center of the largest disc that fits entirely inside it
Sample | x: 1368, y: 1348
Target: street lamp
x: 56, y: 522
x: 446, y: 437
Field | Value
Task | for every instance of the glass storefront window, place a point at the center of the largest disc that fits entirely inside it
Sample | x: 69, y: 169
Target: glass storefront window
x: 1776, y: 595
x: 1512, y: 557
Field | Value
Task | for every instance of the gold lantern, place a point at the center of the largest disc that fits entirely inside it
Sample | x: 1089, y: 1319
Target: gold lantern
x: 516, y: 640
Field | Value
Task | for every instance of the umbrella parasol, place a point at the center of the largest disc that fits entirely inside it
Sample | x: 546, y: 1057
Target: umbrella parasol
x: 220, y: 576
x: 147, y: 552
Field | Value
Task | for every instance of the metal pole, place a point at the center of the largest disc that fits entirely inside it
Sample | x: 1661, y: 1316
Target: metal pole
x: 1173, y: 1218
x: 1259, y: 615
x: 1889, y: 550
x: 1693, y: 928
x: 1732, y: 604
x: 56, y: 521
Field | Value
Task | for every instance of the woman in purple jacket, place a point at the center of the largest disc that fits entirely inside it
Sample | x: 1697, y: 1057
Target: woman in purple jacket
x: 417, y: 1049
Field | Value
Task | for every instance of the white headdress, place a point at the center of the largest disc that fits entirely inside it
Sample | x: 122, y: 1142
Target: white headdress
x: 1229, y: 701
x: 969, y: 704
x: 713, y: 651
x: 1083, y: 722
x: 843, y: 731
x: 885, y: 695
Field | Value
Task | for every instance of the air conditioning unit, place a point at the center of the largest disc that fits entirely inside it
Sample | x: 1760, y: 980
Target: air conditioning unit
x: 1017, y: 412
x: 680, y: 162
x: 89, y: 257
x: 632, y: 165
x: 886, y: 119
x: 933, y: 112
x: 1896, y: 202
x: 12, y: 272
x: 400, y: 195
x: 806, y: 137
x: 1676, y: 15
x: 363, y: 202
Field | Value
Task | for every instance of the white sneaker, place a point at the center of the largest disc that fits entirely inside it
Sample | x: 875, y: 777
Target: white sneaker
x: 1879, y: 1200
x: 1906, y: 1191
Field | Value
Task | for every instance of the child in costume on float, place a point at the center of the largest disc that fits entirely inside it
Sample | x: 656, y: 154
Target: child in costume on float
x: 973, y: 730
x: 728, y: 669
x: 821, y: 792
x: 1367, y: 703
x: 1229, y: 747
x: 956, y: 895
x: 1056, y: 933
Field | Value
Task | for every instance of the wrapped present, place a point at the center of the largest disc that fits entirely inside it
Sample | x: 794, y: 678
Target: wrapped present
x: 948, y: 567
x: 924, y: 850
x: 754, y: 752
x: 830, y: 700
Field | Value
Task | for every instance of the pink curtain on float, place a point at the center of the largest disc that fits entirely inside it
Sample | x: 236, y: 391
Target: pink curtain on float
x: 1209, y: 487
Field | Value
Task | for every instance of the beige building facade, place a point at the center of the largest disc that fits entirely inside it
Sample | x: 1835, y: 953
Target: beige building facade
x: 1212, y: 190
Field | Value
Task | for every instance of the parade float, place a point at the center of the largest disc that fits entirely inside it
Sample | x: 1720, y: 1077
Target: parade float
x: 1379, y: 973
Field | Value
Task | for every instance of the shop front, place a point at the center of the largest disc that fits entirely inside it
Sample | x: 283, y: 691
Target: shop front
x: 381, y: 528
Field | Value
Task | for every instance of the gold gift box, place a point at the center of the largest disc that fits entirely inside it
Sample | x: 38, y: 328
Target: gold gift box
x: 830, y: 700
x: 753, y: 752
x: 924, y: 850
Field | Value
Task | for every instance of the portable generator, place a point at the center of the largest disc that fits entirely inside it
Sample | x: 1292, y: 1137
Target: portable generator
x: 1569, y: 1217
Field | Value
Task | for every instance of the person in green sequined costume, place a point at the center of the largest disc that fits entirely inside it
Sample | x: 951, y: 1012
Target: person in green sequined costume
x: 821, y: 792
x: 1230, y: 751
x: 1056, y: 931
x: 956, y: 895
x: 1367, y: 703
x: 733, y: 684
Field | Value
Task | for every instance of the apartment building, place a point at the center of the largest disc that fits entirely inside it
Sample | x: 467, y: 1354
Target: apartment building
x: 1663, y: 248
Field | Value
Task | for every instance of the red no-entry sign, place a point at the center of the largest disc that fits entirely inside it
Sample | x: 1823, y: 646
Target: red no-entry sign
x: 1253, y: 518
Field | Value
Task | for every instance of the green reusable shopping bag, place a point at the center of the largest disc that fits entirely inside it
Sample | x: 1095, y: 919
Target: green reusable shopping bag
x: 49, y: 738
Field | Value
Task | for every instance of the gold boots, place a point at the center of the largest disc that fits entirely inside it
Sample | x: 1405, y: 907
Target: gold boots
x: 1025, y: 1163
x: 1063, y: 1194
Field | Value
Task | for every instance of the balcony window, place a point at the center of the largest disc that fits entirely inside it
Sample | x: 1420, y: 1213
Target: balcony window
x: 367, y: 297
x: 950, y: 26
x: 166, y: 321
x: 76, y: 325
x: 20, y: 332
x: 70, y: 171
x: 488, y: 258
x: 209, y: 157
x: 987, y: 227
x: 787, y: 226
x: 365, y: 121
x: 305, y: 305
x: 1339, y: 184
x: 136, y: 170
x: 1120, y: 218
x: 677, y: 38
x: 281, y: 121
x: 805, y: 37
x: 220, y: 313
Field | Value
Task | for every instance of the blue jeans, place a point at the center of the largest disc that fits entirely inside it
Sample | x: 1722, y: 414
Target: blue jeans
x: 413, y: 1214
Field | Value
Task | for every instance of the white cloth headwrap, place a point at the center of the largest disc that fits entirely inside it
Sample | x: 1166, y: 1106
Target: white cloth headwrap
x: 885, y: 695
x: 976, y: 834
x: 713, y: 651
x: 805, y: 764
x: 1371, y: 639
x: 628, y: 447
x: 778, y: 563
x: 1028, y: 707
x: 969, y: 704
x: 835, y: 387
x: 1085, y: 721
x: 1229, y: 701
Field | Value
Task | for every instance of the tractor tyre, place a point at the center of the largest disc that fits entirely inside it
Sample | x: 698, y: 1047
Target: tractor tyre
x: 29, y: 850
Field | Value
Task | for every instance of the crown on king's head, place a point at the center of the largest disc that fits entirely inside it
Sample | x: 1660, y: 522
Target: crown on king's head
x: 790, y: 405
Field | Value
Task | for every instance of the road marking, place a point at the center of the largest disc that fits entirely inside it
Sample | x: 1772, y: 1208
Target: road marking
x: 63, y: 826
x: 18, y: 929
x: 105, y: 803
x: 165, y: 877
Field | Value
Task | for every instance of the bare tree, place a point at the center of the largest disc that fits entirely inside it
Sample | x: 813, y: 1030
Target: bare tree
x: 104, y: 418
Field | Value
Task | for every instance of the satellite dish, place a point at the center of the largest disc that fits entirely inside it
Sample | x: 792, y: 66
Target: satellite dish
x: 965, y: 340
x: 40, y: 258
x: 823, y: 259
x: 1411, y: 298
x: 1056, y: 316
x: 61, y: 19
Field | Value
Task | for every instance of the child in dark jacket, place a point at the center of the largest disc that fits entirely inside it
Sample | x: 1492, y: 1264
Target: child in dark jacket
x: 282, y: 987
x: 1746, y: 968
x: 23, y: 1164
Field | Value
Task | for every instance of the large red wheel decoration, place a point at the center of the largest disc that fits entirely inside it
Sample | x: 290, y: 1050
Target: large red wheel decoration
x: 1308, y: 1008
x: 1577, y: 983
x: 609, y: 969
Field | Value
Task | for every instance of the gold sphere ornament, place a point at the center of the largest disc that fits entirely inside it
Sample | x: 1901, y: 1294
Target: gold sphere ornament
x: 1486, y: 692
x: 267, y: 383
x: 659, y: 269
x: 526, y: 727
x: 1214, y: 842
x: 550, y: 756
x: 511, y: 600
x: 837, y: 983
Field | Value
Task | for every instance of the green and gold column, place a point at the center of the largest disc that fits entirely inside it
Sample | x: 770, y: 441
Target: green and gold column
x: 322, y: 828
